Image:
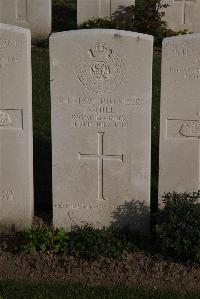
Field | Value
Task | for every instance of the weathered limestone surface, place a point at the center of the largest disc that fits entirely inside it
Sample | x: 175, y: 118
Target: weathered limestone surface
x: 88, y: 9
x: 101, y: 127
x: 32, y: 14
x: 180, y: 115
x: 16, y: 157
x: 183, y: 14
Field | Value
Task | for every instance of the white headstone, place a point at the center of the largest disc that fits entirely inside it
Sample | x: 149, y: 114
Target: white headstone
x: 183, y: 14
x: 88, y: 9
x: 32, y: 14
x: 101, y: 123
x: 180, y: 115
x: 16, y: 163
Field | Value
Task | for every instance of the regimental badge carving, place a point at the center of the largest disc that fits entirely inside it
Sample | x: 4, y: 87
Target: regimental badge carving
x: 101, y: 70
x: 4, y: 119
x: 190, y: 128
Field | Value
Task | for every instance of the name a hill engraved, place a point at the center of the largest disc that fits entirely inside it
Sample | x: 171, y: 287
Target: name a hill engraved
x: 102, y: 112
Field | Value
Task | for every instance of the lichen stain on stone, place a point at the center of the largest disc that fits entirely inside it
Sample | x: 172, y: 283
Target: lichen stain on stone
x: 117, y: 36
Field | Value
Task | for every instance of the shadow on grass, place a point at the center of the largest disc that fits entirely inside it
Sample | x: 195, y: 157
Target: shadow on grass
x: 43, y: 179
x: 27, y: 290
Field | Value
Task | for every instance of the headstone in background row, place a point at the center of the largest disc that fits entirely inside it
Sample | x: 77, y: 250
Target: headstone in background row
x: 180, y: 115
x: 101, y: 128
x: 32, y: 14
x: 183, y: 14
x: 88, y: 9
x: 16, y: 157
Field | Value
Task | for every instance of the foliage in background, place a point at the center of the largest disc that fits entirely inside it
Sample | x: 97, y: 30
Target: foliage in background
x: 104, y: 23
x: 145, y: 17
x: 85, y: 242
x: 179, y: 226
x: 64, y: 15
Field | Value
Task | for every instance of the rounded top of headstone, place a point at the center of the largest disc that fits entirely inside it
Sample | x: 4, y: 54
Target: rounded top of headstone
x: 14, y: 28
x: 181, y: 38
x: 116, y: 33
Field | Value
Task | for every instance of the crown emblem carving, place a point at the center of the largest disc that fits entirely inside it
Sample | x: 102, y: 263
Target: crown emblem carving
x: 101, y: 69
x: 100, y: 51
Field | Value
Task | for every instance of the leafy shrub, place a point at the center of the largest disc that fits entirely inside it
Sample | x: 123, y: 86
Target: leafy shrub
x: 45, y: 239
x: 179, y: 226
x: 93, y: 243
x: 86, y: 243
x: 105, y: 23
x: 64, y: 15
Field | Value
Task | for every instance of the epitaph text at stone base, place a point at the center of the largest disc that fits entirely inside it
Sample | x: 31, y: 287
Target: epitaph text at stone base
x: 101, y: 127
x: 16, y: 148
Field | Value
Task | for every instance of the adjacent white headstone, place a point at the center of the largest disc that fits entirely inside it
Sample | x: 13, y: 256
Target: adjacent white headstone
x: 180, y: 115
x: 16, y: 157
x: 32, y: 14
x: 101, y: 127
x: 183, y: 14
x: 88, y: 9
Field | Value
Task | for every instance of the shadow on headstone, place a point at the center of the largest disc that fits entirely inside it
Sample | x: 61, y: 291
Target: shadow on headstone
x: 132, y: 216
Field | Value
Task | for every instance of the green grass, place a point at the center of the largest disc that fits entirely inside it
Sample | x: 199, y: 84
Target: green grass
x: 24, y: 290
x: 41, y: 94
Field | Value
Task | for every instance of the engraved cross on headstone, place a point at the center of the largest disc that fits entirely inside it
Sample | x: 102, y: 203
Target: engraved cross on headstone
x: 183, y: 128
x: 184, y: 2
x: 100, y: 157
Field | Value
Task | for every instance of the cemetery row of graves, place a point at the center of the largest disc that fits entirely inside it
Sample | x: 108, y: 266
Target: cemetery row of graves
x: 101, y: 90
x: 90, y: 145
x: 37, y: 15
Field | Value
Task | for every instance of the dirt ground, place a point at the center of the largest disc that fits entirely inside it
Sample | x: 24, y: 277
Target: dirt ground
x: 135, y: 269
